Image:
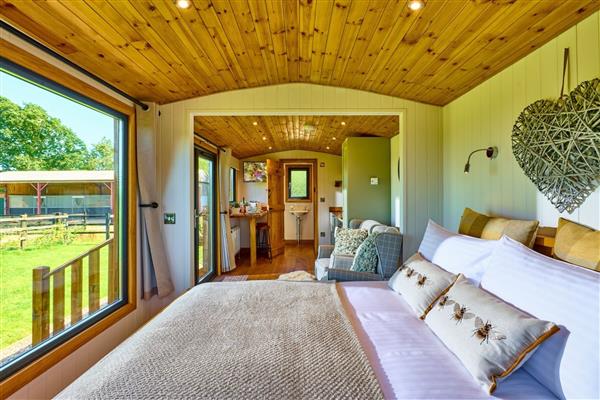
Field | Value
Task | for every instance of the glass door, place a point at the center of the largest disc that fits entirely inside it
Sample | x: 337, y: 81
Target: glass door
x: 205, y: 215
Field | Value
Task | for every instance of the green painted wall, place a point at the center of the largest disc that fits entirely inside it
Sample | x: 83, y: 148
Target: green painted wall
x: 363, y: 158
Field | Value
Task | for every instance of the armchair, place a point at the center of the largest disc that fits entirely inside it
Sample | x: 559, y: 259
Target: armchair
x: 337, y: 267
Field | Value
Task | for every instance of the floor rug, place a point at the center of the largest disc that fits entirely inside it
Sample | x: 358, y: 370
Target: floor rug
x: 297, y: 276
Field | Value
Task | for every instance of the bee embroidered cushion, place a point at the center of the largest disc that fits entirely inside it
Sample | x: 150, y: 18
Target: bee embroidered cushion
x: 421, y: 283
x: 490, y: 337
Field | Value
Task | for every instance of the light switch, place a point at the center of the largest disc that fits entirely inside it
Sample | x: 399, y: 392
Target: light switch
x: 374, y: 180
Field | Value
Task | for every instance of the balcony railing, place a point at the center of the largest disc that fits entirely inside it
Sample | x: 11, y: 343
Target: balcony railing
x: 49, y: 285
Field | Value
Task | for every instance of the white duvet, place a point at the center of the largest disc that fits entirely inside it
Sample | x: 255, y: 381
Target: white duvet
x: 409, y: 361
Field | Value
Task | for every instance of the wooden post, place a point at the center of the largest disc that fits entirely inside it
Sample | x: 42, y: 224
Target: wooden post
x: 113, y: 275
x: 107, y: 226
x: 40, y: 305
x: 76, y: 291
x: 23, y: 233
x: 94, y: 280
x: 58, y: 300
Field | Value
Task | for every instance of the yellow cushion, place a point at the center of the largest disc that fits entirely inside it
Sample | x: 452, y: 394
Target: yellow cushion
x: 577, y: 244
x: 472, y: 223
x: 522, y: 231
x: 482, y: 226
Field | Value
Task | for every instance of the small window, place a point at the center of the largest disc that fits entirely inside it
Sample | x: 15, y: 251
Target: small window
x: 232, y: 184
x: 298, y: 183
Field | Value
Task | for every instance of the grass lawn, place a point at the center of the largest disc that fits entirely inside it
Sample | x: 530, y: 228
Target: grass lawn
x: 16, y: 281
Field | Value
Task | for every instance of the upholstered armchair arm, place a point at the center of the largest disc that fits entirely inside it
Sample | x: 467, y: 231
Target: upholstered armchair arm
x: 325, y: 250
x: 355, y: 223
x: 342, y: 262
x: 342, y: 275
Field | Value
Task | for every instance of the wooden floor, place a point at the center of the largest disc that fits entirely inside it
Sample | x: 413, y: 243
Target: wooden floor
x: 294, y: 258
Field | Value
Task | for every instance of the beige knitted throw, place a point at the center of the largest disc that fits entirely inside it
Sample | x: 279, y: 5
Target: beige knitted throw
x: 239, y: 340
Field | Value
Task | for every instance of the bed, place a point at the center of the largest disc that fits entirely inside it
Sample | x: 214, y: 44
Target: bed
x: 355, y: 340
x: 311, y: 357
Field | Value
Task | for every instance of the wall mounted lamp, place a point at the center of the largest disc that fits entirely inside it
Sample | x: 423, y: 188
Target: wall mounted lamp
x: 490, y: 152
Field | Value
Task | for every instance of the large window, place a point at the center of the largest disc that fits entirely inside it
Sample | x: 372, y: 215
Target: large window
x: 63, y: 192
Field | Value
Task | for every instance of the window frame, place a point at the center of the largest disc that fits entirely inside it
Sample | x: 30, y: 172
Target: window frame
x: 289, y: 168
x: 233, y: 191
x: 29, y: 365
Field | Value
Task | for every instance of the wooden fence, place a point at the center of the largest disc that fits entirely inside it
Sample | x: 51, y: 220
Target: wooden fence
x: 51, y: 285
x: 23, y: 225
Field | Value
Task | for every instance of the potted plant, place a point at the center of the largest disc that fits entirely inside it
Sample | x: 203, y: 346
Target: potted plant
x: 235, y: 207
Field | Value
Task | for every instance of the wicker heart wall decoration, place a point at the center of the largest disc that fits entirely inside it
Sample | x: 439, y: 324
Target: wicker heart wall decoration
x: 557, y: 144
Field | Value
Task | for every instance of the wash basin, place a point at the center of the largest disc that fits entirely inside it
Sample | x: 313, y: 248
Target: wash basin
x: 299, y: 213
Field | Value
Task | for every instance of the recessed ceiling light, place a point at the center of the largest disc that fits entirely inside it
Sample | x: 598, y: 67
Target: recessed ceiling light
x: 183, y: 3
x: 343, y: 123
x: 270, y: 147
x: 334, y: 138
x: 255, y: 123
x: 264, y: 138
x: 415, y: 5
x: 308, y: 128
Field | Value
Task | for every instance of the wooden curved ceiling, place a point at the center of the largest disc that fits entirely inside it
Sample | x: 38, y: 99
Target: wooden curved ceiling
x: 155, y: 51
x: 316, y: 133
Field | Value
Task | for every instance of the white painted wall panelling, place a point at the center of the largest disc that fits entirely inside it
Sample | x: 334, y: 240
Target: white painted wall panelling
x: 421, y: 132
x: 485, y: 117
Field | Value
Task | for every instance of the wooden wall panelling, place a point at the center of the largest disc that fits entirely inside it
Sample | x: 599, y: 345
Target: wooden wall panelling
x: 283, y: 132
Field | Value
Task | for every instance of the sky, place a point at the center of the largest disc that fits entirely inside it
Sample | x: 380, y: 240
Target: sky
x: 90, y: 125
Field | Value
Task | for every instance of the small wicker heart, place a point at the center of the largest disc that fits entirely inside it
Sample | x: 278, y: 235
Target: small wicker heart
x: 557, y: 144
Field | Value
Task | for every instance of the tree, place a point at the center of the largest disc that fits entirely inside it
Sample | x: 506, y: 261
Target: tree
x: 102, y: 155
x: 30, y: 139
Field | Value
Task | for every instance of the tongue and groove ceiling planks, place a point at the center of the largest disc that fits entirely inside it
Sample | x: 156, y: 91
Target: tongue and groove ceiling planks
x: 315, y: 133
x: 154, y: 51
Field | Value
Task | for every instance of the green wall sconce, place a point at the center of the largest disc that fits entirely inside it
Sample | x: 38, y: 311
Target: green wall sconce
x: 490, y: 152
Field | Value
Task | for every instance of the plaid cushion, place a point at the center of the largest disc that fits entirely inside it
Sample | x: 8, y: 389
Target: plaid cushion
x: 389, y: 251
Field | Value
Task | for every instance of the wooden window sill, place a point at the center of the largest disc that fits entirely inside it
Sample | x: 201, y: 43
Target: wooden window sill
x: 56, y: 355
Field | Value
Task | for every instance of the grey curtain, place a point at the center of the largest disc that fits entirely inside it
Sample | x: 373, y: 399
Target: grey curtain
x: 227, y: 250
x: 156, y: 275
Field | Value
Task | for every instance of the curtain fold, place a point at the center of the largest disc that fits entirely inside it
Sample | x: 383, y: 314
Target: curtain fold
x: 227, y: 248
x: 156, y: 275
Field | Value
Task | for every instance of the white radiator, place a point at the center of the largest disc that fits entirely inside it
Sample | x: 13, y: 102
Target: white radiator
x: 235, y: 234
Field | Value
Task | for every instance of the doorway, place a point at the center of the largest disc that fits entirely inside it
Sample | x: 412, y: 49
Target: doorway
x: 205, y: 215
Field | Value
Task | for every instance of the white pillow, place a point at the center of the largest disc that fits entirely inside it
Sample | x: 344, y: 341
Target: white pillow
x: 456, y: 253
x: 491, y: 338
x: 421, y: 283
x: 433, y: 237
x: 569, y: 362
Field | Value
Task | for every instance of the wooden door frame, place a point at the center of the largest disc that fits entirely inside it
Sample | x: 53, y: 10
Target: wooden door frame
x: 314, y: 163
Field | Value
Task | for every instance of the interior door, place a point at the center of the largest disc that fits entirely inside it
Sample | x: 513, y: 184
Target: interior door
x: 276, y: 205
x: 205, y: 213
